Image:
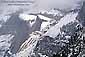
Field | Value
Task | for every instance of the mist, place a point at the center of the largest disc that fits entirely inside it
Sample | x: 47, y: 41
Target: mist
x: 58, y: 4
x: 40, y: 5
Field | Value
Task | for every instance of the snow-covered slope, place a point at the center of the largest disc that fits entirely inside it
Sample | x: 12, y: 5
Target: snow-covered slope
x: 28, y: 46
x: 5, y: 43
x: 55, y: 30
x: 32, y: 19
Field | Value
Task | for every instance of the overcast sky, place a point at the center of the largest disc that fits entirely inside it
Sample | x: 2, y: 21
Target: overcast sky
x: 44, y: 5
x: 60, y: 4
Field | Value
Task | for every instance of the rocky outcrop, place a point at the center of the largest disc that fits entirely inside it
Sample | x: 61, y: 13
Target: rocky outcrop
x: 81, y: 16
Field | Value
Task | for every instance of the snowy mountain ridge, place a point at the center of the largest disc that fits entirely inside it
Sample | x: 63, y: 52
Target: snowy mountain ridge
x: 65, y: 20
x: 37, y: 34
x: 71, y: 17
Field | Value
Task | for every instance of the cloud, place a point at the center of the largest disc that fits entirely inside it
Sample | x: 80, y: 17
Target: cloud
x: 60, y: 4
x: 40, y: 5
